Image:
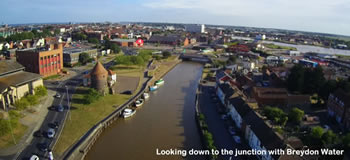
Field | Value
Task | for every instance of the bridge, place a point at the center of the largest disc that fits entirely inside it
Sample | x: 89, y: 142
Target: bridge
x: 195, y: 58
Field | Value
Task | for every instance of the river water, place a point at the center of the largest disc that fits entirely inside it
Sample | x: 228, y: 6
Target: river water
x: 165, y: 121
x: 306, y: 48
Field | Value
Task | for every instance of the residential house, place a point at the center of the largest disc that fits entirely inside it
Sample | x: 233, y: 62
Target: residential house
x: 338, y: 108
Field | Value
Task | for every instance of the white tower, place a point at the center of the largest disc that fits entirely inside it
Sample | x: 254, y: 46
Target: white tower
x: 203, y: 28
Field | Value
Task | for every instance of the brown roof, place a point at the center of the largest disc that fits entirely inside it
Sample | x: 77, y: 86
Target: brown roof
x: 99, y: 70
x: 17, y: 79
x: 110, y: 72
x: 8, y: 66
x: 269, y: 92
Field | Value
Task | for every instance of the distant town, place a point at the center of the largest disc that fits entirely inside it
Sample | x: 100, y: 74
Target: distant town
x: 220, y: 87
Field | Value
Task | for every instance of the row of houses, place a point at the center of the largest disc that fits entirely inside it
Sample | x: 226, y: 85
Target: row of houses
x: 258, y: 133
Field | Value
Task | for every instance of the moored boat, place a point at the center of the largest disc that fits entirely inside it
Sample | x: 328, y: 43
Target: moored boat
x: 145, y: 95
x: 139, y: 103
x: 153, y: 88
x: 159, y: 82
x: 128, y: 113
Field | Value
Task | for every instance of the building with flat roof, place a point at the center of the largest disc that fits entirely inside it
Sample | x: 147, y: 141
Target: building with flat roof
x: 71, y: 55
x: 127, y: 42
x: 16, y: 83
x: 45, y: 61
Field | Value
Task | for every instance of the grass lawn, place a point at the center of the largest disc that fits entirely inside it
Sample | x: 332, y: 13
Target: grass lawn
x: 129, y: 71
x: 52, y: 77
x: 273, y: 46
x: 83, y: 117
x: 7, y: 141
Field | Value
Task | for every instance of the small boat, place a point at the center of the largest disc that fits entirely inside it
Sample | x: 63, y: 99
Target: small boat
x: 159, y: 82
x: 128, y: 113
x: 145, y: 96
x: 153, y: 88
x: 139, y: 103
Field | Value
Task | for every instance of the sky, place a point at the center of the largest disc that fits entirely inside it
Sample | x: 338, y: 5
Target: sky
x: 325, y: 16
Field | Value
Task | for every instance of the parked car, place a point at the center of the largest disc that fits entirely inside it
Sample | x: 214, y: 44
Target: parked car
x: 237, y: 139
x: 58, y: 95
x: 224, y: 117
x: 127, y: 92
x: 50, y: 133
x: 60, y: 108
x: 232, y: 130
x: 54, y: 125
x: 38, y: 133
x: 44, y: 147
x: 34, y: 157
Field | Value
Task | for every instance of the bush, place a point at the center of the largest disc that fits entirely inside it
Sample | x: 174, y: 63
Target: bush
x: 275, y: 114
x: 166, y: 54
x: 32, y: 99
x: 22, y: 104
x: 40, y: 91
x: 92, y: 96
x: 296, y: 115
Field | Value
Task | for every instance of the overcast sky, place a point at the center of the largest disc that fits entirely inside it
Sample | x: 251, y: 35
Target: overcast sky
x: 327, y: 16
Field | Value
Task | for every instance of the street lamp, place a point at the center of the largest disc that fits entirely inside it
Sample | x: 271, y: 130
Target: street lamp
x: 68, y: 103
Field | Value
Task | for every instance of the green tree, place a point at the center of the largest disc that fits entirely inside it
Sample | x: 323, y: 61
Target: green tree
x: 329, y: 138
x: 316, y: 132
x: 329, y: 87
x: 92, y: 96
x: 313, y: 80
x: 137, y: 60
x: 115, y: 48
x: 276, y: 115
x: 2, y: 39
x: 295, y: 79
x: 124, y: 60
x: 296, y: 115
x: 93, y: 40
x: 57, y: 31
x: 166, y: 54
x: 40, y: 91
x: 84, y: 58
x: 346, y: 141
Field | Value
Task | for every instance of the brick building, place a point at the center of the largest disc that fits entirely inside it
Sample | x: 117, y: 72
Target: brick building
x: 45, y: 61
x: 338, y: 108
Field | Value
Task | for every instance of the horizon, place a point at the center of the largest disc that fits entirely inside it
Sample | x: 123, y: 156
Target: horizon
x: 299, y: 15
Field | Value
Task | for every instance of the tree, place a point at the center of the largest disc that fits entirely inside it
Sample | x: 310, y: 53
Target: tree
x: 346, y: 140
x: 329, y: 87
x: 2, y: 39
x: 57, y: 31
x: 93, y: 40
x: 166, y: 54
x: 125, y: 60
x: 137, y: 60
x: 92, y: 96
x: 115, y: 48
x: 317, y: 132
x: 313, y: 80
x: 275, y: 114
x: 295, y: 80
x: 40, y: 91
x: 329, y: 138
x: 296, y: 115
x: 84, y: 58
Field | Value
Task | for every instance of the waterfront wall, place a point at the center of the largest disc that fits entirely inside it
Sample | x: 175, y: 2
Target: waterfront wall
x: 79, y: 150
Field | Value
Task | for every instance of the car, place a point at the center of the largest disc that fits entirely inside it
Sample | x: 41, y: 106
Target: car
x: 55, y: 83
x: 237, y: 139
x: 60, y: 108
x: 232, y: 130
x: 58, y: 95
x: 43, y: 147
x: 54, y: 125
x: 50, y: 133
x: 34, y: 157
x: 224, y: 117
x: 326, y: 127
x: 38, y: 133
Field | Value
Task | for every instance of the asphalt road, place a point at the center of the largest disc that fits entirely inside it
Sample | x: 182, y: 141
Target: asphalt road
x: 54, y: 116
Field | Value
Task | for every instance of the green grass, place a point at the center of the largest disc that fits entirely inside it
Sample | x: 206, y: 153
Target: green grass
x: 7, y: 140
x: 83, y: 117
x: 273, y: 46
x: 52, y: 77
x: 129, y: 71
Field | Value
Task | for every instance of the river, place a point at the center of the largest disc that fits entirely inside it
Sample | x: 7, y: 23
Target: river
x: 305, y: 48
x: 165, y: 121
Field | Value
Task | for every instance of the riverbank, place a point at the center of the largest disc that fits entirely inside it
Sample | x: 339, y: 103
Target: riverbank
x: 87, y: 116
x: 163, y: 67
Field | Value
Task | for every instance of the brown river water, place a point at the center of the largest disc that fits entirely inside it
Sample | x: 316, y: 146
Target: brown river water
x: 166, y: 121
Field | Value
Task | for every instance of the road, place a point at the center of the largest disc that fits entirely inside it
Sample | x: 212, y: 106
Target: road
x: 54, y: 116
x: 209, y: 106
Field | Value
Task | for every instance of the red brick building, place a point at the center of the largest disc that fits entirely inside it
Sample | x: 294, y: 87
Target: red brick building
x: 44, y: 61
x: 338, y: 108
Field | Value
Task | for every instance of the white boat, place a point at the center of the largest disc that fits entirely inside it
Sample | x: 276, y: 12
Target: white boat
x: 139, y: 103
x: 128, y: 113
x: 145, y: 96
x: 159, y: 82
x: 153, y: 88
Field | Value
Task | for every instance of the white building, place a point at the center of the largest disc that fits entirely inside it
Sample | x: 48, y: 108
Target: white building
x: 202, y: 28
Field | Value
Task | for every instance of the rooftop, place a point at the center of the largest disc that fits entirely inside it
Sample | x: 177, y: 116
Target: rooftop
x: 122, y: 40
x: 8, y: 66
x: 17, y: 79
